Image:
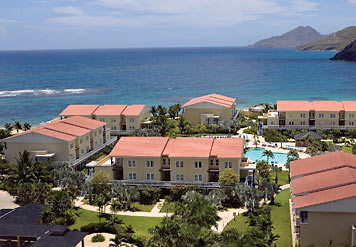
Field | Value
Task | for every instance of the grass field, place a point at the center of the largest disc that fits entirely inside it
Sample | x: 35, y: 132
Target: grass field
x: 347, y: 149
x: 168, y: 207
x: 139, y: 224
x: 142, y: 207
x: 280, y: 219
x: 282, y: 177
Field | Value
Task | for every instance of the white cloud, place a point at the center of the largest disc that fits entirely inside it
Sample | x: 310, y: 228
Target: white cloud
x: 199, y: 13
x: 353, y: 2
x: 69, y: 10
x: 7, y: 21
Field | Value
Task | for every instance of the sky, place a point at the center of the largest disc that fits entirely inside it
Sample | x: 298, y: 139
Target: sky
x: 81, y: 24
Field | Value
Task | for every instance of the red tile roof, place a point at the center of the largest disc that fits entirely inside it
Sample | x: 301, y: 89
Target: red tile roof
x: 349, y: 105
x: 228, y: 148
x: 321, y: 163
x: 66, y: 129
x: 133, y: 110
x: 328, y: 106
x: 294, y: 105
x: 139, y: 147
x: 216, y: 99
x: 109, y: 110
x: 179, y: 147
x: 79, y: 110
x: 189, y: 147
x: 323, y: 178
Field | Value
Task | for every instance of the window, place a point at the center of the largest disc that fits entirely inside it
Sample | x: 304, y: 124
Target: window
x: 150, y: 163
x: 100, y: 132
x: 131, y: 163
x: 332, y: 123
x: 169, y: 161
x: 179, y: 164
x: 351, y: 123
x: 71, y: 146
x: 132, y: 176
x: 131, y: 127
x: 113, y: 120
x: 302, y: 115
x: 291, y: 123
x: 198, y: 177
x: 150, y: 176
x: 179, y: 177
x: 351, y: 115
x: 101, y: 140
x: 217, y: 162
x: 198, y: 164
x: 302, y: 123
x: 94, y: 133
x: 81, y: 140
x: 304, y: 217
x: 131, y: 120
x: 273, y: 123
x: 113, y: 127
x: 102, y: 119
x: 332, y: 115
x: 87, y: 138
x: 164, y: 162
x: 321, y: 115
x: 87, y: 148
x: 81, y: 151
x: 211, y: 162
x: 228, y: 164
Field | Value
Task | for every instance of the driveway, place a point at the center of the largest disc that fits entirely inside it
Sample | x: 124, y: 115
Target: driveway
x: 6, y: 201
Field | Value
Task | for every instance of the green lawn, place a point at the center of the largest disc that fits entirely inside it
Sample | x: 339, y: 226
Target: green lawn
x: 347, y: 149
x: 282, y: 177
x: 280, y: 218
x: 143, y: 207
x: 168, y: 207
x: 139, y: 224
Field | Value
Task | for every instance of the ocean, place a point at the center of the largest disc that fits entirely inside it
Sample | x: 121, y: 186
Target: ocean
x: 35, y: 86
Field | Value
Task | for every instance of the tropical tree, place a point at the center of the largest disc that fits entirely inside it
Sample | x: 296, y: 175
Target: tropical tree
x: 276, y: 170
x: 174, y: 110
x: 9, y: 127
x: 228, y: 178
x: 27, y: 126
x: 256, y: 140
x: 183, y: 125
x: 123, y: 193
x: 268, y: 154
x: 263, y: 172
x: 18, y: 126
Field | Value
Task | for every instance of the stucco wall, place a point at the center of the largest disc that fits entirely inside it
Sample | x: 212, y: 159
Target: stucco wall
x: 193, y: 115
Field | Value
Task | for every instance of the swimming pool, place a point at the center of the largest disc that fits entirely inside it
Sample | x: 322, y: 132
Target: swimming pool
x: 255, y: 154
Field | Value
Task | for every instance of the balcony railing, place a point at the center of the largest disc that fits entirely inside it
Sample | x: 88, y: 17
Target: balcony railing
x: 170, y: 183
x: 307, y: 127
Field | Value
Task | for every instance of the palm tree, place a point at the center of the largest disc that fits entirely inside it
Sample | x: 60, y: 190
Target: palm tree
x: 293, y: 155
x: 17, y: 126
x: 268, y: 154
x: 60, y: 202
x: 256, y: 140
x: 153, y: 111
x: 8, y: 126
x: 174, y: 110
x: 27, y: 126
x: 276, y: 170
x: 183, y: 125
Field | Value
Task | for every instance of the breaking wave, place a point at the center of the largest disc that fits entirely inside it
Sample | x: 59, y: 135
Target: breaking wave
x: 43, y: 92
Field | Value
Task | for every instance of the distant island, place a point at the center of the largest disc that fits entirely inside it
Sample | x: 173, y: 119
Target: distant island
x: 347, y: 54
x: 292, y: 39
x: 335, y: 41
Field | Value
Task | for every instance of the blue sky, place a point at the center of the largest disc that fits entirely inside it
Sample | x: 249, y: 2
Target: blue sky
x: 72, y: 24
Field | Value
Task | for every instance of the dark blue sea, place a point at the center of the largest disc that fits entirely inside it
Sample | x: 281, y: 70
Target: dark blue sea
x: 36, y: 85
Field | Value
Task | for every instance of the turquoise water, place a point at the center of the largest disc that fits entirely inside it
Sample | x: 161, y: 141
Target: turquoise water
x: 256, y: 154
x: 36, y: 86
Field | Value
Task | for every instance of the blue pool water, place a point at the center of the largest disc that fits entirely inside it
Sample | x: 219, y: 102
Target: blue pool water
x: 256, y: 154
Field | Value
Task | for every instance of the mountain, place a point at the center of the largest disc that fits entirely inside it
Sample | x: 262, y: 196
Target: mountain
x: 335, y: 41
x: 347, y: 54
x: 291, y: 39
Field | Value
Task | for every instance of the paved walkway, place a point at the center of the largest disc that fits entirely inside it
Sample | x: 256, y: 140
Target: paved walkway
x: 6, y: 200
x: 79, y: 203
x: 226, y: 216
x: 89, y: 243
x: 157, y: 207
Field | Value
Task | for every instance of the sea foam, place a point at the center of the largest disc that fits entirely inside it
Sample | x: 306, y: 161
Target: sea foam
x: 41, y: 92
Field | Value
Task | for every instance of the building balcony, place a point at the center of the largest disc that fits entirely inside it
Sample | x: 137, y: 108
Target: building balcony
x: 171, y: 183
x: 311, y: 127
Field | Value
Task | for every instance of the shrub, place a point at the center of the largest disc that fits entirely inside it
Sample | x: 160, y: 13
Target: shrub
x: 98, y: 238
x: 101, y: 227
x: 148, y: 195
x: 250, y: 130
x: 177, y: 191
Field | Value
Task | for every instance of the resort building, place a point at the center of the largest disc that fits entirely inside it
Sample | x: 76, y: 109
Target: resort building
x: 323, y: 198
x: 162, y: 161
x: 72, y: 140
x: 23, y: 226
x: 310, y: 115
x: 209, y: 109
x: 120, y: 119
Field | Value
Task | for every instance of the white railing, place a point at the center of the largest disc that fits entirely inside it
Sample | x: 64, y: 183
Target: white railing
x: 170, y: 183
x: 306, y: 127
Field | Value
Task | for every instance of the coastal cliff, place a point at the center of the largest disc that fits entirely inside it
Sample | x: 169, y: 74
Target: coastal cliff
x: 347, y: 54
x: 335, y: 41
x: 291, y: 39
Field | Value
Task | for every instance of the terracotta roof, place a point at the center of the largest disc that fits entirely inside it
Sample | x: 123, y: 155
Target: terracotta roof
x: 139, y: 146
x: 325, y: 196
x: 67, y: 129
x: 327, y: 106
x: 321, y: 163
x: 294, y: 105
x: 216, y: 99
x: 179, y: 147
x: 323, y: 178
x: 83, y: 122
x: 133, y: 110
x: 228, y: 148
x: 349, y: 105
x: 189, y: 147
x: 79, y: 110
x: 109, y: 110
